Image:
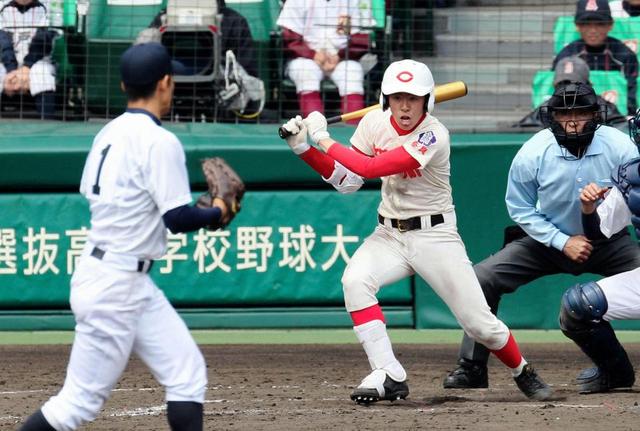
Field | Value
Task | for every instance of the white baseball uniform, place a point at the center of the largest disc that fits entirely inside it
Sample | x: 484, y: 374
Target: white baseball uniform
x: 319, y: 22
x: 621, y: 290
x: 436, y: 252
x: 134, y: 173
x: 42, y: 75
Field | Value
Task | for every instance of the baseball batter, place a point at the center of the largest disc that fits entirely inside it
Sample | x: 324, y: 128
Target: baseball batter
x: 409, y: 149
x: 136, y: 182
x: 588, y: 308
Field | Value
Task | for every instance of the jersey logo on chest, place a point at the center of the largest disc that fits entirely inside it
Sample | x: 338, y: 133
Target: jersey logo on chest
x: 425, y: 139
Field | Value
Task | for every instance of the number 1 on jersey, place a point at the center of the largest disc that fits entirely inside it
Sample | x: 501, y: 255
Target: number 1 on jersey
x: 96, y: 186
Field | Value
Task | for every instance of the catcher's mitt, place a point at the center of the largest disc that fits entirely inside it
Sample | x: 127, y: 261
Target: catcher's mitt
x: 224, y: 183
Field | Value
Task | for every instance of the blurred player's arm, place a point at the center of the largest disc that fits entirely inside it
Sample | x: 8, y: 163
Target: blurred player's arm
x: 589, y: 197
x: 188, y: 218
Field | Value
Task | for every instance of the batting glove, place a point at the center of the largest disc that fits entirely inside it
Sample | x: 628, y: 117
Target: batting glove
x: 317, y: 126
x: 298, y: 138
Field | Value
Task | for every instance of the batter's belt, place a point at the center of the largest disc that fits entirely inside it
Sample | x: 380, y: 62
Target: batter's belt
x: 412, y: 223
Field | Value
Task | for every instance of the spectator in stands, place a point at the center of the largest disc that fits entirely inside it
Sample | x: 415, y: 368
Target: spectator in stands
x: 601, y: 52
x: 25, y: 46
x: 625, y: 8
x: 572, y: 69
x: 236, y: 36
x: 324, y: 39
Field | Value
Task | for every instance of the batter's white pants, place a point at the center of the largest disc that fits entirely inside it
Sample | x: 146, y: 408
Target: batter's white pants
x: 119, y: 312
x: 307, y: 75
x: 42, y: 77
x: 438, y: 256
x: 623, y: 295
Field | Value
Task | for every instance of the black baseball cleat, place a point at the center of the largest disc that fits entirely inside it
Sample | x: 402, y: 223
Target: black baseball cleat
x: 468, y: 375
x: 532, y: 385
x: 595, y: 380
x: 370, y: 391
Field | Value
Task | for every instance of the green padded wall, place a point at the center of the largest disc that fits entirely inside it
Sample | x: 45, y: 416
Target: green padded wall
x: 282, y: 192
x: 284, y: 248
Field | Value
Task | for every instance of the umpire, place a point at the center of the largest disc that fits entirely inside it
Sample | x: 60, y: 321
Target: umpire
x: 545, y: 180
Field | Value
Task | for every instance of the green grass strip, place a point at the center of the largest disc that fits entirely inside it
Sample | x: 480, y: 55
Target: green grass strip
x: 311, y: 336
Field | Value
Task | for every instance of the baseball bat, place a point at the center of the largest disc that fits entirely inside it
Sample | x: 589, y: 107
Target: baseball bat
x: 444, y: 92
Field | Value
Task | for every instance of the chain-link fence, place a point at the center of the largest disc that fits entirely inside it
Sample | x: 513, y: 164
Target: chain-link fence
x: 303, y: 54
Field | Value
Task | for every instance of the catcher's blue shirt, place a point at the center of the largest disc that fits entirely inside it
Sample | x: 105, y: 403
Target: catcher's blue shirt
x: 544, y: 184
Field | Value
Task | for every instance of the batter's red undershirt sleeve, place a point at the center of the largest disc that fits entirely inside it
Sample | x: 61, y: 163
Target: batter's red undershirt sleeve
x: 319, y: 161
x: 295, y: 45
x: 391, y: 162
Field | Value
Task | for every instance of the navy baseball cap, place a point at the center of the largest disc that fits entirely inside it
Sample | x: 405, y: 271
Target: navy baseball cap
x: 145, y: 64
x: 593, y: 11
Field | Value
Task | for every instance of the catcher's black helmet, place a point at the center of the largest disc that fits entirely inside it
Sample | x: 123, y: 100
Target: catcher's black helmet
x: 573, y: 96
x: 634, y: 128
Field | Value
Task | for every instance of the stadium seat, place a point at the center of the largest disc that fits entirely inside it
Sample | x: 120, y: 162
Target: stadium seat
x: 120, y: 20
x: 260, y: 14
x: 612, y: 86
x: 111, y: 26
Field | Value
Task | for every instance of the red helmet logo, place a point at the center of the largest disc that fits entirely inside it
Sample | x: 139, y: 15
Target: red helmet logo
x: 404, y: 76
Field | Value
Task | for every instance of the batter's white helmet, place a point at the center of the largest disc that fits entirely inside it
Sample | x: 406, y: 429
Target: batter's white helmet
x: 408, y: 76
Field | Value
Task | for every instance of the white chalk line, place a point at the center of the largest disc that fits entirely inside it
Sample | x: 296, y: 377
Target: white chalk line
x: 157, y: 388
x: 157, y: 410
x: 160, y: 409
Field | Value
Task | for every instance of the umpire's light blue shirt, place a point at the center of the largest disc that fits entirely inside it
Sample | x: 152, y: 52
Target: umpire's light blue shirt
x: 544, y: 188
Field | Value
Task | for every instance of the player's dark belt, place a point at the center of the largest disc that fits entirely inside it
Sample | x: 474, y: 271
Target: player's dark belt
x: 143, y: 265
x: 412, y: 223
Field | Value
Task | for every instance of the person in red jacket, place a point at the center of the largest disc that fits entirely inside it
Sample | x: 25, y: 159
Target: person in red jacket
x: 325, y: 39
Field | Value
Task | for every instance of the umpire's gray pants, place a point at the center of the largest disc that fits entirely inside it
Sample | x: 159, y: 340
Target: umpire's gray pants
x: 525, y: 260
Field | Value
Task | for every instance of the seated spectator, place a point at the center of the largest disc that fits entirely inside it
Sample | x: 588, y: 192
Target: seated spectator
x: 572, y: 69
x: 625, y: 8
x: 25, y: 46
x: 236, y: 36
x: 600, y: 51
x: 323, y: 39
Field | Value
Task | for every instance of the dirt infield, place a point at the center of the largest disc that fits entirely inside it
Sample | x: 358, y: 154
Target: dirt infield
x: 307, y: 387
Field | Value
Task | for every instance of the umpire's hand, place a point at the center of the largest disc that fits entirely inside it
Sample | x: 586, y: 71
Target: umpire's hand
x: 578, y: 248
x: 589, y: 197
